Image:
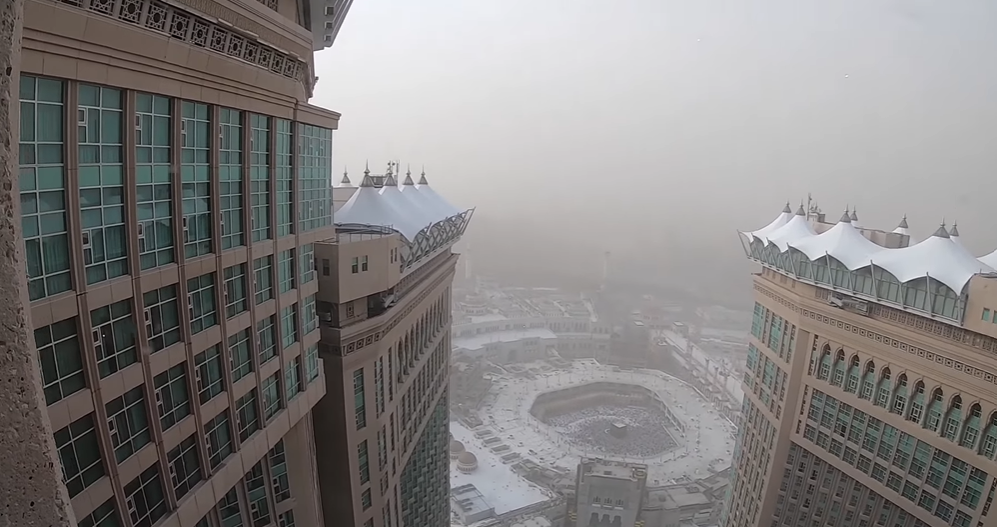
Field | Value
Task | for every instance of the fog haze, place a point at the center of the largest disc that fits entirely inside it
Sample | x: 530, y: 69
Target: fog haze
x: 655, y: 128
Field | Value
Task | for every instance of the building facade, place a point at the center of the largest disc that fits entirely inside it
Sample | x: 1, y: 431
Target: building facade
x: 608, y: 494
x: 870, y: 396
x: 384, y: 305
x: 174, y: 182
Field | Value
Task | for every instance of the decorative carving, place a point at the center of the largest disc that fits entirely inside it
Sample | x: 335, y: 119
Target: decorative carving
x: 176, y: 23
x: 940, y: 359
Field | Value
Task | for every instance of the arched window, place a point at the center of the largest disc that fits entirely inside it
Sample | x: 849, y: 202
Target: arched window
x: 971, y: 429
x: 862, y: 282
x: 988, y: 446
x: 839, y: 274
x: 944, y: 301
x: 825, y: 364
x: 934, y: 411
x: 900, y: 395
x: 888, y: 287
x: 802, y: 264
x: 868, y: 381
x: 953, y: 419
x: 853, y: 375
x: 916, y: 403
x: 916, y: 294
x: 822, y: 274
x: 883, y: 390
x: 839, y: 369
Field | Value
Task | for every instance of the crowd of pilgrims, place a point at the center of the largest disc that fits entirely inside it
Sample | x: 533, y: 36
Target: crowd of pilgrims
x: 589, y: 428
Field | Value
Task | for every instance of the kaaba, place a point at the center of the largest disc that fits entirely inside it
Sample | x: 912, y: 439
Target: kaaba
x: 618, y: 430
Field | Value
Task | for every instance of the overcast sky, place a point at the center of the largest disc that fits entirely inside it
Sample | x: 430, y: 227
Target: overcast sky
x: 677, y: 119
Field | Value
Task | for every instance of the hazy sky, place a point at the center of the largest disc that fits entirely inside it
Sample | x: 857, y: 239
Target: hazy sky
x: 673, y: 120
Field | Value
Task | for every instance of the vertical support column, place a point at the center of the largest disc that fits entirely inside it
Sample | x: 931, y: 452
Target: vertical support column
x: 26, y: 442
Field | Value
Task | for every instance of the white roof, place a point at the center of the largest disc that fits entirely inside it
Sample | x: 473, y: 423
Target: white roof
x: 390, y: 207
x: 435, y: 199
x: 939, y: 257
x: 796, y: 229
x: 779, y: 221
x: 843, y: 241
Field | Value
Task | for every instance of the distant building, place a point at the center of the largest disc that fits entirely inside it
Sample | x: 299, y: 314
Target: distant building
x: 608, y: 494
x: 470, y: 505
x: 870, y: 379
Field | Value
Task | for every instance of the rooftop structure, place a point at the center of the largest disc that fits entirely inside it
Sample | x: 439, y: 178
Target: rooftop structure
x: 470, y: 505
x: 609, y: 493
x: 931, y: 276
x: 426, y: 222
x: 870, y: 371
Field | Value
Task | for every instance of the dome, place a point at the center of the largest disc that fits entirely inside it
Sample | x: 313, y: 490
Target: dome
x: 467, y: 462
x: 456, y: 447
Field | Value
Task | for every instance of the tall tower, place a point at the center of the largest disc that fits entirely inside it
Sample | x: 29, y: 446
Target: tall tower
x: 870, y: 392
x: 384, y: 427
x: 174, y: 180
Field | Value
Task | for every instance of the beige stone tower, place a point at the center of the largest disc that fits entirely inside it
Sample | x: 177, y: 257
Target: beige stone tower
x: 871, y: 382
x: 174, y: 182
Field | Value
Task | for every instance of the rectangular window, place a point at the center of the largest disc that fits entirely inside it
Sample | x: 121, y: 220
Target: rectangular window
x: 154, y: 180
x: 263, y: 279
x: 307, y: 262
x: 113, y: 337
x: 241, y: 355
x: 185, y: 466
x: 359, y: 407
x: 128, y: 424
x: 315, y: 185
x: 267, y: 331
x: 354, y: 265
x: 210, y: 380
x: 146, y: 499
x: 310, y: 315
x: 363, y: 263
x: 289, y: 325
x: 230, y: 177
x: 79, y: 451
x: 311, y: 362
x: 229, y: 509
x: 325, y: 267
x: 195, y: 167
x: 285, y: 178
x: 986, y: 315
x: 365, y: 499
x: 103, y: 516
x: 286, y: 519
x: 235, y: 290
x: 201, y: 303
x: 172, y: 400
x: 259, y: 175
x: 363, y: 462
x: 285, y: 270
x: 60, y: 360
x: 102, y: 183
x: 292, y: 377
x: 278, y: 472
x: 271, y: 396
x: 219, y: 436
x: 162, y: 317
x: 246, y: 415
x: 256, y: 491
x: 43, y: 187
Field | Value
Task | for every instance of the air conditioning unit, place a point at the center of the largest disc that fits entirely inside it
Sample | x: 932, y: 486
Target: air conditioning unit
x: 836, y: 301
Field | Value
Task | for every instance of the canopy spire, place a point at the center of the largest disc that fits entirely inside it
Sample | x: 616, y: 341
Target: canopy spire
x: 786, y: 209
x: 903, y: 223
x: 346, y: 178
x: 941, y: 232
x: 423, y: 180
x: 954, y: 231
x: 855, y: 216
x: 845, y: 217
